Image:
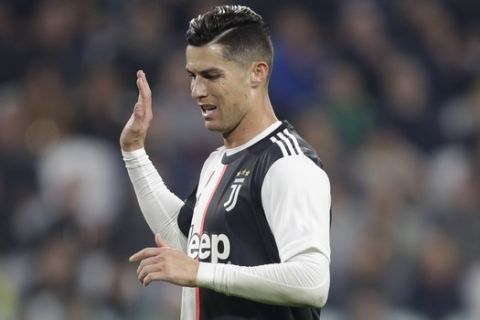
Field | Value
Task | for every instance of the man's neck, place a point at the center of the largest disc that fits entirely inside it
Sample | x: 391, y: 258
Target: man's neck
x: 250, y: 126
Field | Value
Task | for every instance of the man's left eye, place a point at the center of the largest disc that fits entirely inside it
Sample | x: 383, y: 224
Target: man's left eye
x: 211, y: 76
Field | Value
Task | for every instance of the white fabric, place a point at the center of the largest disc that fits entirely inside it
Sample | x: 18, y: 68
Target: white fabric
x: 159, y: 206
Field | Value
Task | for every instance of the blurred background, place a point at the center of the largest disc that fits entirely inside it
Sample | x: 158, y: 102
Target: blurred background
x: 388, y: 92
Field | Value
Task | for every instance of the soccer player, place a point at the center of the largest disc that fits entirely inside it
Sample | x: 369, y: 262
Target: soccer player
x: 252, y: 240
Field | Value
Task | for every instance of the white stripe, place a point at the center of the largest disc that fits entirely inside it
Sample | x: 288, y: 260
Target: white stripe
x: 239, y: 180
x: 287, y: 142
x: 295, y: 142
x: 280, y: 144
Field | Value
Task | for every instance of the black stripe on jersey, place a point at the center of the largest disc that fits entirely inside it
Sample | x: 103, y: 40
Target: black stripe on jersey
x: 287, y: 143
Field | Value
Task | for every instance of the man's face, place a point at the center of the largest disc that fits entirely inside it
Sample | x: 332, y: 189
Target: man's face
x: 220, y: 87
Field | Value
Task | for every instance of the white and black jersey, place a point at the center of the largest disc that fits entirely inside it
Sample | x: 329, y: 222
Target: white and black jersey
x: 258, y: 222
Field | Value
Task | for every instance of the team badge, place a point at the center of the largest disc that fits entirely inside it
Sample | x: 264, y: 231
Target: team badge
x: 236, y: 186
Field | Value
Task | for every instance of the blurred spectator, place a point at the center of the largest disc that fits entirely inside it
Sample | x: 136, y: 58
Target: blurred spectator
x: 436, y: 38
x: 460, y: 116
x: 100, y: 103
x: 470, y: 295
x: 89, y: 190
x: 298, y: 56
x: 435, y: 289
x: 407, y: 102
x: 17, y: 173
x: 350, y: 108
x: 370, y: 304
x: 363, y: 37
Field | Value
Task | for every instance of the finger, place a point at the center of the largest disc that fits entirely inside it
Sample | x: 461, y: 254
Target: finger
x: 145, y: 271
x: 139, y: 108
x: 142, y: 272
x: 143, y: 108
x: 160, y: 242
x: 144, y: 253
x: 139, y: 84
x: 152, y: 277
x: 147, y: 262
x: 143, y: 76
x: 144, y: 87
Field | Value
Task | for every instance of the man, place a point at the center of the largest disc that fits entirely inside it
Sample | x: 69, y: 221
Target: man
x: 252, y: 241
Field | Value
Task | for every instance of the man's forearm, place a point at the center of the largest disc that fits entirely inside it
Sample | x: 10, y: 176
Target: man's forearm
x: 159, y: 205
x: 304, y: 281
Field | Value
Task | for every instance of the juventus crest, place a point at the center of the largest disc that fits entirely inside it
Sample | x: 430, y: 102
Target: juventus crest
x: 236, y: 186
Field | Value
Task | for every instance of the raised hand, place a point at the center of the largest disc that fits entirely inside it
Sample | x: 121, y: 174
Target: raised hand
x: 165, y: 264
x: 135, y: 131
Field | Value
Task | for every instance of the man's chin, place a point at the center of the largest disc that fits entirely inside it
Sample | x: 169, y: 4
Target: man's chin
x: 211, y: 126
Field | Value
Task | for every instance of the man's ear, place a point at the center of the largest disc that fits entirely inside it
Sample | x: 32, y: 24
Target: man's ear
x: 259, y: 74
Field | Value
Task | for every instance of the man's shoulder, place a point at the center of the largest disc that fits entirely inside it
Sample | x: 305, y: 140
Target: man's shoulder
x: 285, y: 142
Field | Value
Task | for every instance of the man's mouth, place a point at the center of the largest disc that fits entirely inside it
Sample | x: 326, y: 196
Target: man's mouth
x: 207, y: 109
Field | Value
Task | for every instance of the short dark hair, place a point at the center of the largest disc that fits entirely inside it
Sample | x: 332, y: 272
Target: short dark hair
x: 239, y: 29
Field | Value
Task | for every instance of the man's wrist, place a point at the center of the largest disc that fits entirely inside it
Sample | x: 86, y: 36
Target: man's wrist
x: 206, y: 275
x: 135, y: 157
x: 131, y: 147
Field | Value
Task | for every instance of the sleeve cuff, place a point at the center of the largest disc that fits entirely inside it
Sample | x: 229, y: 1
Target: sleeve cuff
x: 206, y: 275
x: 135, y: 159
x: 135, y: 154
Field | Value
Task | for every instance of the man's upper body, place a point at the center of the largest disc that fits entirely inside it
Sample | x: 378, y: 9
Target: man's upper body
x: 252, y: 241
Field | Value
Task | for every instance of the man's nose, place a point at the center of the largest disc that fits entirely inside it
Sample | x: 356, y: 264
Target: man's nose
x: 198, y: 88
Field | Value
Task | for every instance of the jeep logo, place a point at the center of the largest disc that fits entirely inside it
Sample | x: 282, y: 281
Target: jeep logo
x: 215, y: 246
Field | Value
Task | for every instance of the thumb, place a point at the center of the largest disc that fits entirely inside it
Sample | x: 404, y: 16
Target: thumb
x: 160, y: 242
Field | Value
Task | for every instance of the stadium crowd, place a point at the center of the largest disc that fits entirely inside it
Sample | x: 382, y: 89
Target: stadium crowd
x: 388, y: 92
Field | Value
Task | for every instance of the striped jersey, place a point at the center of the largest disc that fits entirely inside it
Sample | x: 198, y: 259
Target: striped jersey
x: 225, y: 222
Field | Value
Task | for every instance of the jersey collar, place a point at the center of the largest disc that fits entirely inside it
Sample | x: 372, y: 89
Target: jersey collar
x: 230, y: 155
